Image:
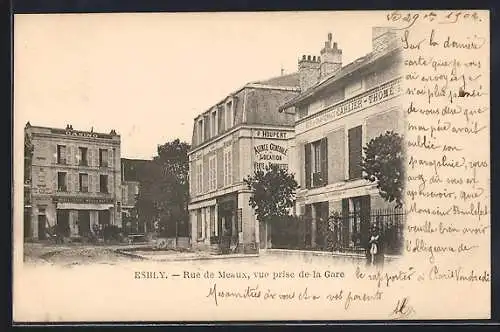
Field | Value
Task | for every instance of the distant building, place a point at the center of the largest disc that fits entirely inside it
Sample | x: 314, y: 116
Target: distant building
x: 73, y: 181
x: 242, y: 132
x: 339, y: 110
x: 131, y: 178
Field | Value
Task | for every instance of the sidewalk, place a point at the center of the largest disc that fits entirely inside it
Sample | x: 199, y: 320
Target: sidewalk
x: 174, y: 256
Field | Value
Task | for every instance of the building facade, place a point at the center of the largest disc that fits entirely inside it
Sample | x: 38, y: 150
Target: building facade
x: 339, y: 110
x: 131, y: 179
x: 242, y: 132
x: 73, y: 181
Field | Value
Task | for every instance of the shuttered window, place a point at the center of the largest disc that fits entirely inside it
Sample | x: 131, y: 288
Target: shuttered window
x: 84, y: 182
x: 61, y: 154
x: 199, y: 224
x: 307, y: 164
x: 324, y: 161
x: 355, y: 152
x: 221, y: 119
x: 316, y: 163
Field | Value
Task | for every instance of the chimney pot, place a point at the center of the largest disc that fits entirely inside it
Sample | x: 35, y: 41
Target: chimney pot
x: 329, y: 36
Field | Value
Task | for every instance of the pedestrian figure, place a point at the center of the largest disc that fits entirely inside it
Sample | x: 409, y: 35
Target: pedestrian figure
x: 374, y: 250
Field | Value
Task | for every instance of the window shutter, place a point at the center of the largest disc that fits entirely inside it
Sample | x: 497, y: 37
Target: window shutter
x: 355, y: 152
x: 345, y: 222
x: 365, y: 218
x: 324, y: 160
x: 95, y: 157
x: 110, y: 158
x: 307, y: 164
x: 110, y: 184
x: 220, y: 168
x: 90, y: 183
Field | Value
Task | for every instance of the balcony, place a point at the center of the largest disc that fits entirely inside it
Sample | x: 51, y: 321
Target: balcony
x: 62, y: 188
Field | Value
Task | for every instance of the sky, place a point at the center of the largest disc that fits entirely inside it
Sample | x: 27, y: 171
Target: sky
x: 148, y: 75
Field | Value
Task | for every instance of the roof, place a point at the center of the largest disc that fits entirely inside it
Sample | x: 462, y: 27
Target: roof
x: 291, y: 80
x: 285, y: 82
x: 347, y: 70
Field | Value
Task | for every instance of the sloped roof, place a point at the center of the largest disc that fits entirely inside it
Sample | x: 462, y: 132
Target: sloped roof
x: 350, y: 68
x: 291, y: 80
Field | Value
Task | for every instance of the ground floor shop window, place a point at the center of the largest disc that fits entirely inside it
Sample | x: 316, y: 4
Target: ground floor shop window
x: 62, y: 222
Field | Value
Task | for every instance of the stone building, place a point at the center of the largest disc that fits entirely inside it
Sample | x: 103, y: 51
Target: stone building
x: 339, y: 110
x: 73, y: 181
x: 242, y: 132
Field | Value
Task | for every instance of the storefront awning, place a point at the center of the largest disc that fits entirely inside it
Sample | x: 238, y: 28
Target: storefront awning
x: 75, y: 206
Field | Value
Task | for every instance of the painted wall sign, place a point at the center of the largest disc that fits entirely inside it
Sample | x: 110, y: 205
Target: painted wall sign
x: 70, y: 132
x: 274, y: 134
x: 269, y: 152
x: 373, y: 97
x: 83, y: 200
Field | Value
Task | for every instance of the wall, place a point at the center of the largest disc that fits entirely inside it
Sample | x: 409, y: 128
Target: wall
x: 262, y: 107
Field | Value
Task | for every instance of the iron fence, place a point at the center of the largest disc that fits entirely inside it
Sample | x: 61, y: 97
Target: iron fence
x: 348, y: 232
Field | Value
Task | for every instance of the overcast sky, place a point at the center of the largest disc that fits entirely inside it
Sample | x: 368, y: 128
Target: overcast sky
x: 148, y: 75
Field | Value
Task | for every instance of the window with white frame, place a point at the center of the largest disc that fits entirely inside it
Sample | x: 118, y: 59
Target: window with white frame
x: 228, y: 166
x: 199, y: 177
x: 212, y: 173
x: 200, y: 132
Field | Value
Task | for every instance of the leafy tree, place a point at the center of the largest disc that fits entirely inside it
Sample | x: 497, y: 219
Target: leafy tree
x: 164, y: 188
x: 273, y: 192
x: 383, y: 163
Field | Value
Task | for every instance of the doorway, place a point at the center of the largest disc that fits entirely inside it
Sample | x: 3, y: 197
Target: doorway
x: 42, y: 221
x: 63, y: 222
x: 83, y: 222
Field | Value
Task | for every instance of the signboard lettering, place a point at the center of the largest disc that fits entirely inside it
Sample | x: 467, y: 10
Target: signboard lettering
x: 270, y: 153
x: 383, y: 93
x: 83, y: 200
x: 275, y: 134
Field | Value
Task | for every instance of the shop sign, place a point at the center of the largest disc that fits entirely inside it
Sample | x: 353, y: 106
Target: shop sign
x: 272, y: 134
x: 381, y: 94
x: 269, y: 152
x: 83, y: 200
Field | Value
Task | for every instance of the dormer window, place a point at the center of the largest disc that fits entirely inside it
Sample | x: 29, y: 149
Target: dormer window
x: 229, y: 115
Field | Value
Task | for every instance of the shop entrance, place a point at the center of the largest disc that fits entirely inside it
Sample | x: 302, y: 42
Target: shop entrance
x: 83, y: 222
x: 63, y: 222
x: 42, y: 221
x: 227, y: 225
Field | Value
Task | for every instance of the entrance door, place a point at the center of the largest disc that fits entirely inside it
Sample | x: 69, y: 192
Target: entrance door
x: 42, y: 221
x: 63, y: 222
x: 83, y: 222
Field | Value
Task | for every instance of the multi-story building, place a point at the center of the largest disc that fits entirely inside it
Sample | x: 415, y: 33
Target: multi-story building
x: 130, y: 179
x: 340, y: 109
x: 74, y: 181
x: 242, y: 132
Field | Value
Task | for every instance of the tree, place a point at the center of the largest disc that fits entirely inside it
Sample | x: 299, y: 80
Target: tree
x: 383, y: 163
x: 164, y: 188
x: 273, y: 192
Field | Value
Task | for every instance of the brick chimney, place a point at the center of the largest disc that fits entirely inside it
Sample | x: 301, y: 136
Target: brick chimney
x: 383, y: 39
x: 309, y: 71
x: 331, y: 58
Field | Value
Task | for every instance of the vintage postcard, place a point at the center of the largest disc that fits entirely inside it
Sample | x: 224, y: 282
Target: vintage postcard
x: 251, y: 166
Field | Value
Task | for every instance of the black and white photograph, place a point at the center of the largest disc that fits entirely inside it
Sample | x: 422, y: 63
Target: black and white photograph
x: 251, y: 166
